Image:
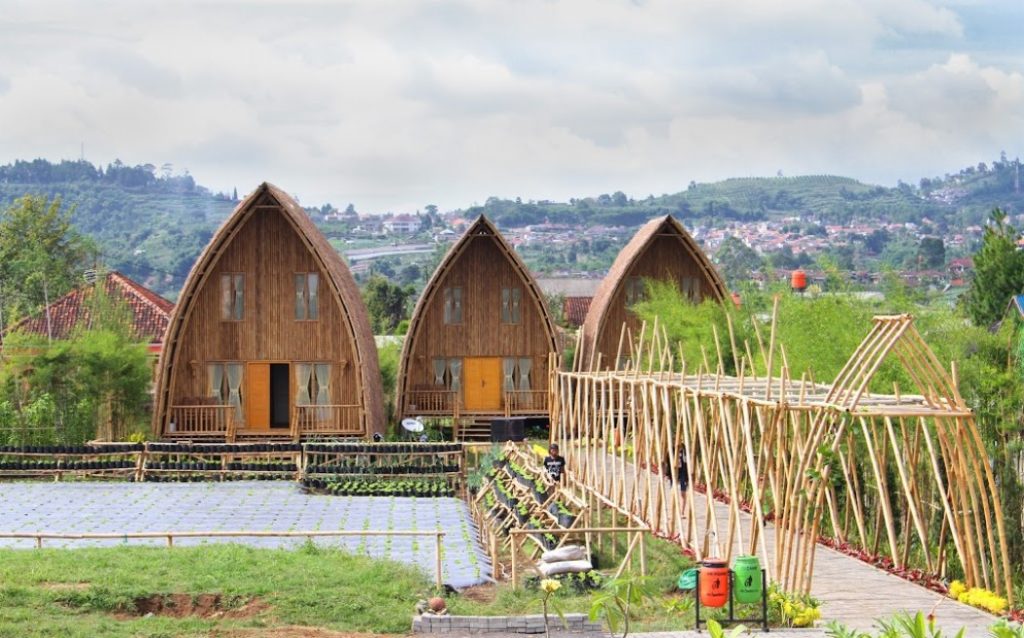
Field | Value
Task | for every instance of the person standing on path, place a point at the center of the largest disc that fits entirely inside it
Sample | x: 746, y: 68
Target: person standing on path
x: 554, y: 463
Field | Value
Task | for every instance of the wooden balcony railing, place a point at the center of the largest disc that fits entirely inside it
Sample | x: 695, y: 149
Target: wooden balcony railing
x: 201, y: 420
x: 326, y: 419
x: 432, y: 402
x: 519, y: 401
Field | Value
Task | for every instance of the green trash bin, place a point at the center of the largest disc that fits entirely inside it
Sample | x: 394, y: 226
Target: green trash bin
x: 747, y: 579
x: 688, y: 580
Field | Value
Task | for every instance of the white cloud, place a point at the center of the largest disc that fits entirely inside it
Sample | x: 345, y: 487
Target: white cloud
x: 393, y: 105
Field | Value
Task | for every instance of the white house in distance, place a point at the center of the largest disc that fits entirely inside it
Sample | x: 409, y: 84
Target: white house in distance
x: 402, y: 225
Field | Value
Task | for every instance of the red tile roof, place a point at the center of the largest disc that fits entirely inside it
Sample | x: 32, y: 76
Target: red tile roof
x: 574, y: 309
x: 150, y: 311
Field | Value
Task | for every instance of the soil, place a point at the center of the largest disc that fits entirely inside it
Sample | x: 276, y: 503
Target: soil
x: 480, y: 593
x: 64, y: 586
x: 197, y: 605
x: 294, y: 632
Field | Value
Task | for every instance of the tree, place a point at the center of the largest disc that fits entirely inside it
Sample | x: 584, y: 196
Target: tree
x: 64, y: 391
x: 737, y: 261
x: 42, y: 255
x: 386, y: 303
x: 998, y: 272
x: 931, y: 253
x: 876, y: 241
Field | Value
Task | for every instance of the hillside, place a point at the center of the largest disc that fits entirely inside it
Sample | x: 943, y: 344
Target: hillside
x: 149, y: 227
x: 953, y: 201
x: 151, y: 224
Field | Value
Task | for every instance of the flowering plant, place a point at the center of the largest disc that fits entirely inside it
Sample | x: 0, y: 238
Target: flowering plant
x: 548, y: 587
x: 977, y: 597
x: 795, y: 610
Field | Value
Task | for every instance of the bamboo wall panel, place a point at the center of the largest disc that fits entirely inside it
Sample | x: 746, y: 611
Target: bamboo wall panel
x: 268, y: 251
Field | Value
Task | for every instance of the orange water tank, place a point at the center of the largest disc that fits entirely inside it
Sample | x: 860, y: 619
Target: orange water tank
x: 799, y: 280
x: 713, y: 583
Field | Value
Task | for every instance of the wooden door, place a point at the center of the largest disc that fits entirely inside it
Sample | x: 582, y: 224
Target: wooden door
x: 482, y: 383
x: 257, y: 396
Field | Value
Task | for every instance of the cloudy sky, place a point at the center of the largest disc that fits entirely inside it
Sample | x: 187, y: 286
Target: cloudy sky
x: 394, y: 105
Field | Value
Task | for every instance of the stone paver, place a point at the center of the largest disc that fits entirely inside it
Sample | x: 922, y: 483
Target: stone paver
x: 852, y: 592
x: 246, y: 506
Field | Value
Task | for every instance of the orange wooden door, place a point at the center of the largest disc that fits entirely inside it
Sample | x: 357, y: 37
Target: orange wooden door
x: 257, y: 396
x: 482, y: 383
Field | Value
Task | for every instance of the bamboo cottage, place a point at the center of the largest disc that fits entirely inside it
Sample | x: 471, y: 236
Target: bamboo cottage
x: 270, y: 338
x: 480, y: 336
x: 660, y: 250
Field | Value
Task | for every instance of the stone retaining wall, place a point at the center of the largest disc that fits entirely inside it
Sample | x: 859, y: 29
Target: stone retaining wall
x: 427, y: 624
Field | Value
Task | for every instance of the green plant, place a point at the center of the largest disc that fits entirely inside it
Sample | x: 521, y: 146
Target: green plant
x: 682, y: 605
x: 794, y: 610
x: 715, y: 630
x: 904, y: 625
x: 836, y: 629
x: 616, y: 599
x: 1005, y: 629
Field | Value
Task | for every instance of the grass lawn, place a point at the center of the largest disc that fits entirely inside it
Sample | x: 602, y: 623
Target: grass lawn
x: 92, y: 592
x: 98, y: 592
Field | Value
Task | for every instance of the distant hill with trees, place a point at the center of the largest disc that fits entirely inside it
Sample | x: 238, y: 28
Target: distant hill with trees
x: 150, y: 222
x: 954, y: 200
x: 147, y: 222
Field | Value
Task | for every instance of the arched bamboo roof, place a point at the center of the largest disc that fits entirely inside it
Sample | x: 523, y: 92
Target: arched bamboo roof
x: 336, y: 273
x: 594, y: 324
x: 481, y: 228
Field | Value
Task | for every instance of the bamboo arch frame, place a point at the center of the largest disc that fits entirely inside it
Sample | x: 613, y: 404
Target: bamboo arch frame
x: 777, y: 466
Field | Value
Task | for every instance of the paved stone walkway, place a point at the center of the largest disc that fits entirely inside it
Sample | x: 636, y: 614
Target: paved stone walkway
x: 855, y: 593
x: 246, y: 506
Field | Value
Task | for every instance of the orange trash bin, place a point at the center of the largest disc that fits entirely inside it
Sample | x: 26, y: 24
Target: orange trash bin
x: 713, y: 583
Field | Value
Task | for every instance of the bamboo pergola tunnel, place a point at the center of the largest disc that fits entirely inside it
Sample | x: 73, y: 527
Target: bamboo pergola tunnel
x: 776, y: 466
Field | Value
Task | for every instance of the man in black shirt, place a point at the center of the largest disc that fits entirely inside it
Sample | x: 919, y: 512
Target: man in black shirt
x: 554, y: 463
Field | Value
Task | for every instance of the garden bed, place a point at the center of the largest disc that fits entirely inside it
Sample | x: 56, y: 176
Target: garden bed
x: 118, y: 508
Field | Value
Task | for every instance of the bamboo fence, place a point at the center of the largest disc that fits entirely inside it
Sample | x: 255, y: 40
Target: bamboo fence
x: 776, y: 466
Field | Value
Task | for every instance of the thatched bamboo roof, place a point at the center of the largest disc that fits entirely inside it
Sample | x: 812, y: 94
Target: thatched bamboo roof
x: 594, y: 324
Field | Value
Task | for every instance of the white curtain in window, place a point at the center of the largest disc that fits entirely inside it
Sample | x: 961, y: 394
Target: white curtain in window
x: 323, y: 392
x: 225, y: 297
x: 506, y: 304
x: 300, y: 296
x: 524, y: 373
x: 303, y: 374
x: 508, y: 367
x: 234, y: 371
x: 439, y: 367
x: 456, y: 305
x: 239, y: 296
x: 314, y: 299
x: 514, y: 314
x: 455, y: 366
x: 215, y: 377
x: 447, y: 305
